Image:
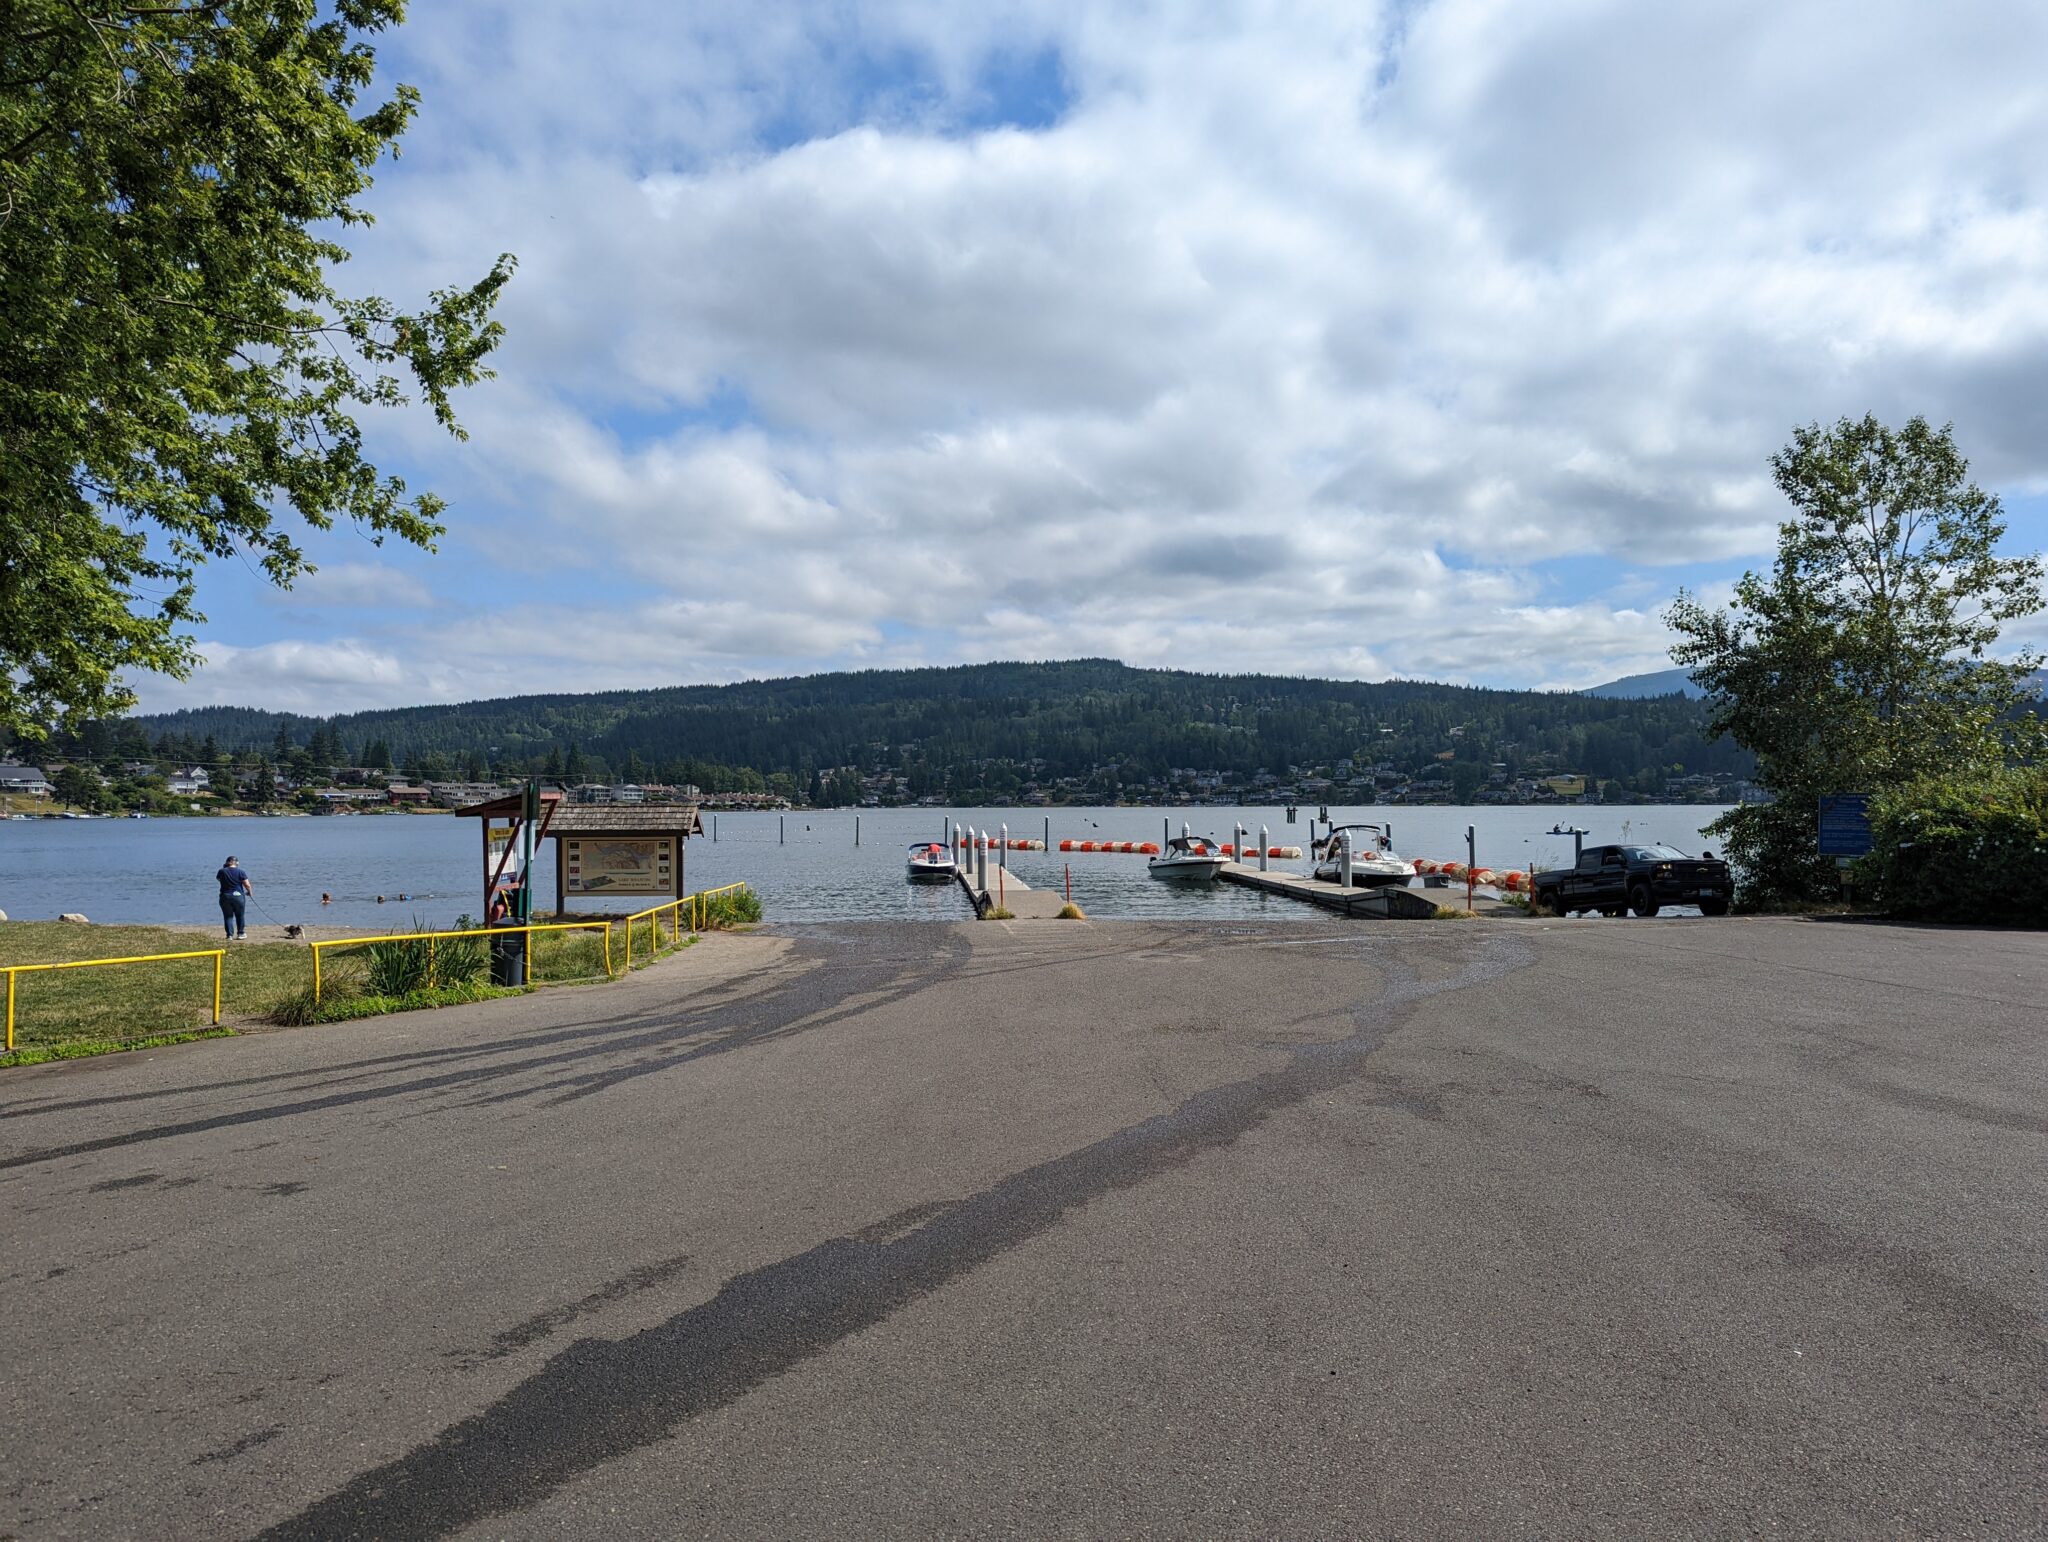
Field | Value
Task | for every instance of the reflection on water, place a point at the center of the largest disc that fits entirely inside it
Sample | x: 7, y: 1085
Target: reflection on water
x: 162, y: 869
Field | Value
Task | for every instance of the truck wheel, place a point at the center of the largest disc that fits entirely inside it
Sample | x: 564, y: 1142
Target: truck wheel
x: 1713, y: 907
x: 1640, y: 902
x: 1557, y: 904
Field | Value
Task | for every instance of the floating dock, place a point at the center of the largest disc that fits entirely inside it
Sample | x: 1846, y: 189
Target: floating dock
x: 1384, y: 902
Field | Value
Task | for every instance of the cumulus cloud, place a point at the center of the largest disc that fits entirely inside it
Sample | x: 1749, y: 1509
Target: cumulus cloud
x: 1290, y: 337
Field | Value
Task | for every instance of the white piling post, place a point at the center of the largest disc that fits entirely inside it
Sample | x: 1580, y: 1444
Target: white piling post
x: 1237, y: 842
x: 1344, y: 859
x: 1265, y: 839
x: 1003, y: 856
x: 981, y: 862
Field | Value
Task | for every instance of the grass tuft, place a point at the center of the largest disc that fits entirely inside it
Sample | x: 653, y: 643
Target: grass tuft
x: 1072, y: 912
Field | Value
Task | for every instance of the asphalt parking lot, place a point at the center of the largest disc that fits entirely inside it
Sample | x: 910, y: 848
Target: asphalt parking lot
x: 1433, y: 1229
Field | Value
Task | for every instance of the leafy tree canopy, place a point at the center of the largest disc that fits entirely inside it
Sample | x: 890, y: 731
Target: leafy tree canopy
x: 175, y: 368
x: 1864, y: 659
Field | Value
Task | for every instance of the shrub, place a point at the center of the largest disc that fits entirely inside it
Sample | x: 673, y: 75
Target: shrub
x: 998, y: 913
x: 401, y: 968
x: 1962, y: 848
x: 1072, y: 912
x: 736, y: 908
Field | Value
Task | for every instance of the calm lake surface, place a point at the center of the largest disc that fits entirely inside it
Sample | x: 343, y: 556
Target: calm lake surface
x: 161, y: 870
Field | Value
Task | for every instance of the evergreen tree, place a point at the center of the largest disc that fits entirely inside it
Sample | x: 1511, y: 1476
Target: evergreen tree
x: 1865, y: 659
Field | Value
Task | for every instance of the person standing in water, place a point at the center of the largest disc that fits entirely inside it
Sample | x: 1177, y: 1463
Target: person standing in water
x: 235, y: 890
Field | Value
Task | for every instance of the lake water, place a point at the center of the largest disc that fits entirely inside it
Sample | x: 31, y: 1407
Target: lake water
x: 152, y: 870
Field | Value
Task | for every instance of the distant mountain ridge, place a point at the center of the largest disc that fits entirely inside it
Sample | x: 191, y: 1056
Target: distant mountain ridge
x: 999, y: 728
x: 1668, y: 682
x: 1660, y: 682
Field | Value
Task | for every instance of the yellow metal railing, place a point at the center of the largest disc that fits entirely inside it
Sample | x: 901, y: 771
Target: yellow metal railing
x: 11, y: 970
x: 429, y: 938
x: 694, y: 903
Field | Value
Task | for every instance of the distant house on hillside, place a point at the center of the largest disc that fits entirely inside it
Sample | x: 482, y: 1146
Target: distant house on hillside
x: 24, y: 781
x: 402, y: 796
x: 186, y: 783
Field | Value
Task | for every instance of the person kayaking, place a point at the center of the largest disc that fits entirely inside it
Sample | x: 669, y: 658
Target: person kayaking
x: 235, y: 890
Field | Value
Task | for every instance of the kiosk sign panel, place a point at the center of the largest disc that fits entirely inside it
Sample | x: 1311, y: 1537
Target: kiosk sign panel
x: 618, y: 865
x: 1845, y: 824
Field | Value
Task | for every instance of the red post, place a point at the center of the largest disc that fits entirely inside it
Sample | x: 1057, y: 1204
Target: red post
x: 1070, y: 883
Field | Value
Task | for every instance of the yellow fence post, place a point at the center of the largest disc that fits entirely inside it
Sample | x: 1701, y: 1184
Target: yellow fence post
x: 316, y: 974
x: 10, y: 1010
x: 219, y: 954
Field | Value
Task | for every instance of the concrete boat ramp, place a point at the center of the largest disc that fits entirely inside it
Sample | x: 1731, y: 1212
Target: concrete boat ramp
x: 1011, y: 893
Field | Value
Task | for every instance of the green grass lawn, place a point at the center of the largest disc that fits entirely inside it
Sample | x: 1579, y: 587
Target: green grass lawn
x: 81, y: 1009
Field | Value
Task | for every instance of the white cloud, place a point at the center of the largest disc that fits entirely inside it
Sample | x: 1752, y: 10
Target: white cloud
x: 1296, y: 341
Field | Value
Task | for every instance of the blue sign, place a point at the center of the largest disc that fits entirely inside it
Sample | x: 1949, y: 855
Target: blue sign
x: 1845, y: 824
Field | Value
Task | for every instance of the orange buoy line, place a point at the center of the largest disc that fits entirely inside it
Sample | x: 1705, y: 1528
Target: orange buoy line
x: 1514, y: 881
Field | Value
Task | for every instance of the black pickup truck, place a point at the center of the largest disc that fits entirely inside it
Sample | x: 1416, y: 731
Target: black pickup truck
x: 1611, y: 879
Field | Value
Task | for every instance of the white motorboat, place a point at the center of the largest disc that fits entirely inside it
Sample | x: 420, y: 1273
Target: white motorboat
x: 1187, y: 859
x: 1374, y: 862
x: 930, y: 860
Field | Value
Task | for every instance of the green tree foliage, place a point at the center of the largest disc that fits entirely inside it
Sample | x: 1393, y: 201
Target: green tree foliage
x: 1963, y: 848
x: 78, y: 787
x: 1864, y: 660
x: 175, y: 367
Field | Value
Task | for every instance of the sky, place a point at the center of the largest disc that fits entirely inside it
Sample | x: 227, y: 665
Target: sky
x: 1440, y: 339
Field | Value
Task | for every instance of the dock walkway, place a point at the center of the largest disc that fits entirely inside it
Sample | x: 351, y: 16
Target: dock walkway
x: 1018, y: 897
x: 1384, y: 902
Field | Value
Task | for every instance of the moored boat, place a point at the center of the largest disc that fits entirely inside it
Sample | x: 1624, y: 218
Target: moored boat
x: 930, y: 861
x: 1188, y: 859
x: 1374, y: 862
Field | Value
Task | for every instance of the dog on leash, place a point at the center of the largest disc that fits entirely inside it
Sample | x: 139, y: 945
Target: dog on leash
x: 294, y: 931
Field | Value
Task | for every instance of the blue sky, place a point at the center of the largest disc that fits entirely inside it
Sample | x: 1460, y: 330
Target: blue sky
x: 1444, y: 339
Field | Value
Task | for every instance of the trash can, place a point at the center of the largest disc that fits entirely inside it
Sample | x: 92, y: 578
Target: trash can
x: 508, y: 958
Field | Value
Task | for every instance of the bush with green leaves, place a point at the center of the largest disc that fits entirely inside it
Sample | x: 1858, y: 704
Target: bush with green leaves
x: 736, y: 908
x: 419, y: 963
x: 1963, y: 848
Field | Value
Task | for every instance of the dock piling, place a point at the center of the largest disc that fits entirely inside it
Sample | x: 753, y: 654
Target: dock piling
x: 1003, y: 856
x: 1265, y: 841
x: 856, y: 829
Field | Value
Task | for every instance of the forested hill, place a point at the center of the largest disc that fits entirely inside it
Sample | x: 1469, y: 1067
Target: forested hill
x: 1093, y: 724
